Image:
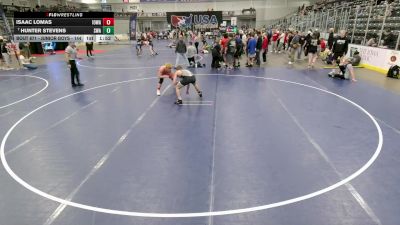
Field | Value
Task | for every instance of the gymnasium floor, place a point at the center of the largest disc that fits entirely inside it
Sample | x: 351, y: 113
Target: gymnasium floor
x: 265, y: 146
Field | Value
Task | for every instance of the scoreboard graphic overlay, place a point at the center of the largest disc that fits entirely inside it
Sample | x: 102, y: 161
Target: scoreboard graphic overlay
x: 63, y: 26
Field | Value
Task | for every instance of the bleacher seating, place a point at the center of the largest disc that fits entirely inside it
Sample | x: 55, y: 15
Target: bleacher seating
x: 362, y: 19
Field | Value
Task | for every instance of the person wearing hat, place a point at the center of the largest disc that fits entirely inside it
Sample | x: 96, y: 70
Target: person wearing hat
x: 71, y: 54
x: 165, y: 71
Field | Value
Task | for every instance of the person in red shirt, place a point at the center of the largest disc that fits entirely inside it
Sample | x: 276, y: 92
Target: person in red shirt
x: 224, y: 43
x: 285, y: 40
x: 323, y: 44
x: 275, y: 37
x: 264, y: 48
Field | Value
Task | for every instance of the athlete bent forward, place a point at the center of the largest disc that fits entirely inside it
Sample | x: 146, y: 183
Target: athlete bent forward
x: 187, y: 78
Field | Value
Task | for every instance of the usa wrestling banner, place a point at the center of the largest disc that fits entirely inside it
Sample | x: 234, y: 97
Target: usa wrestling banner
x: 195, y: 20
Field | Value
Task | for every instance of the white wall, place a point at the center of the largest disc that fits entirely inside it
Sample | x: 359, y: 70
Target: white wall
x: 265, y: 16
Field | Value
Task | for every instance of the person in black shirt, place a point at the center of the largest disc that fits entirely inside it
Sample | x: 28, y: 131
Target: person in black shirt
x: 216, y: 55
x: 339, y: 48
x: 258, y: 48
x: 180, y: 51
x: 302, y: 43
x: 89, y: 49
x: 313, y: 45
x: 139, y: 45
x: 307, y: 38
x: 389, y: 40
x: 331, y: 38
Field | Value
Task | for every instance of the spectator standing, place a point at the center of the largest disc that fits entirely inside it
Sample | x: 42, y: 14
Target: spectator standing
x: 313, y: 47
x: 71, y: 54
x: 180, y: 51
x: 339, y: 49
x: 224, y: 42
x: 331, y: 38
x: 230, y: 51
x: 191, y: 53
x: 89, y: 49
x: 216, y: 55
x: 275, y: 37
x: 281, y: 41
x: 258, y: 48
x: 239, y: 50
x: 251, y: 50
x: 294, y: 45
x: 264, y: 48
x: 302, y: 43
x: 196, y: 42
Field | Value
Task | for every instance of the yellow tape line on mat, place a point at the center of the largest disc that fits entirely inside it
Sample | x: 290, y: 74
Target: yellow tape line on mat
x: 336, y: 67
x: 375, y: 68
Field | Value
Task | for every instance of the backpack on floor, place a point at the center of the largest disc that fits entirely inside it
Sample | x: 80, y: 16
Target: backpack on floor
x: 394, y: 72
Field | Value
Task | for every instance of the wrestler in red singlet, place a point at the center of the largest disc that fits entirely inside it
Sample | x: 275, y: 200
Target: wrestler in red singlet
x: 164, y: 72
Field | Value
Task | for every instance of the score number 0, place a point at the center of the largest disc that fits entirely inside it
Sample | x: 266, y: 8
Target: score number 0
x: 108, y: 26
x: 108, y: 21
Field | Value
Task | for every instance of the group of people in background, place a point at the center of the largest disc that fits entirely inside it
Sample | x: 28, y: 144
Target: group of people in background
x: 145, y: 39
x: 21, y: 52
x: 255, y: 45
x: 228, y: 49
x: 388, y: 40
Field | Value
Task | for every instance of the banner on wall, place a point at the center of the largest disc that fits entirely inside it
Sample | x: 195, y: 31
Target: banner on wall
x: 233, y: 21
x: 132, y: 8
x: 174, y: 1
x: 106, y: 8
x: 195, y: 20
x: 132, y: 26
x: 380, y: 58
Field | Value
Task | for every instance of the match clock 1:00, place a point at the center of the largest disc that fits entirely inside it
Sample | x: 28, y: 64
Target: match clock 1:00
x: 108, y: 30
x: 104, y: 38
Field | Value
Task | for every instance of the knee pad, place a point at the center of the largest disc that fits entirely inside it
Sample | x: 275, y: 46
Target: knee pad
x: 161, y: 80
